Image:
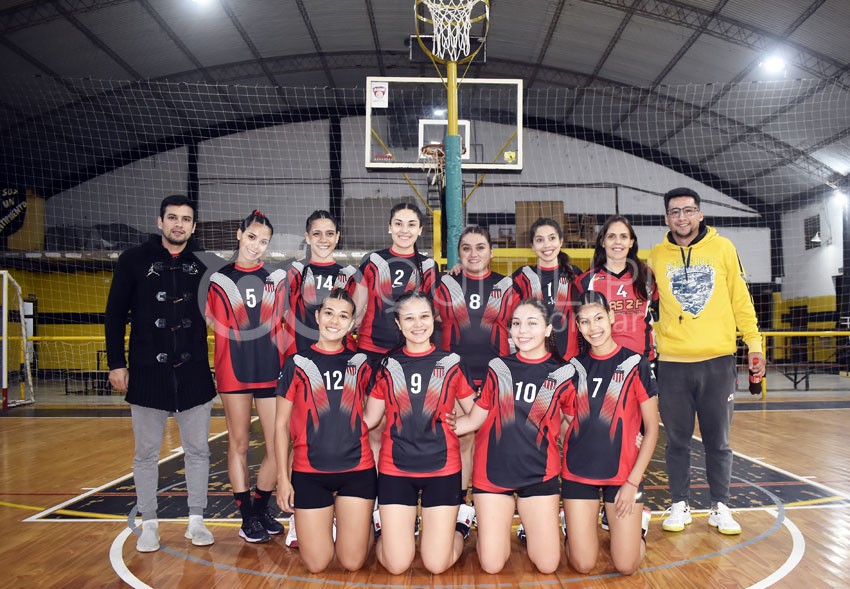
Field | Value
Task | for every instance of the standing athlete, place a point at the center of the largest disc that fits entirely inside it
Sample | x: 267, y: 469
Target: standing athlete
x: 552, y: 281
x: 245, y: 305
x: 310, y: 280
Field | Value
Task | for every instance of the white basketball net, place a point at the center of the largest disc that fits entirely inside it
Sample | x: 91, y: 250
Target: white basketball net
x: 433, y: 157
x: 452, y: 22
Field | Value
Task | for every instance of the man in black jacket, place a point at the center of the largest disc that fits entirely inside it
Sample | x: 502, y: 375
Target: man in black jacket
x: 158, y: 284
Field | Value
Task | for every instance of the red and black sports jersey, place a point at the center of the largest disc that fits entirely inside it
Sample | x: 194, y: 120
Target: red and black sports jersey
x: 246, y: 309
x: 632, y: 319
x: 308, y: 286
x: 556, y: 288
x: 599, y: 448
x: 327, y: 390
x: 387, y: 276
x: 418, y: 390
x: 473, y: 313
x: 517, y: 446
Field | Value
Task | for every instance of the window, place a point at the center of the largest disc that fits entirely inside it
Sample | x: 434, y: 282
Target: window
x: 811, y: 232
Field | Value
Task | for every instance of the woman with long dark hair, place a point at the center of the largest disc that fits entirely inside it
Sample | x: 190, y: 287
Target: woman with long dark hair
x: 245, y: 304
x: 320, y: 407
x: 310, y: 280
x: 626, y: 282
x: 517, y: 459
x: 613, y: 399
x: 416, y: 385
x: 552, y: 281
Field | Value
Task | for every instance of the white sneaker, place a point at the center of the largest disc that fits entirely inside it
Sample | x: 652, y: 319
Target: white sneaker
x: 520, y: 533
x: 149, y: 538
x: 680, y: 516
x: 645, y: 518
x: 465, y: 513
x: 197, y: 532
x: 376, y: 523
x: 291, y: 536
x: 563, y: 518
x: 721, y: 518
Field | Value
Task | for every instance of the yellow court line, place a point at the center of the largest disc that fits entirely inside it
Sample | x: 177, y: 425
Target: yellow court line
x: 816, y: 501
x: 65, y: 511
x: 98, y: 515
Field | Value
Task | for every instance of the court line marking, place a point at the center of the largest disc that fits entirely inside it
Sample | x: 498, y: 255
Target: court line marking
x: 116, y: 558
x: 48, y: 511
x: 787, y: 473
x: 779, y: 521
x: 798, y: 549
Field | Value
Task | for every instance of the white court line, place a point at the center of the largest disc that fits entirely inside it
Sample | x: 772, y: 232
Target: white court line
x: 798, y: 548
x: 116, y: 558
x: 785, y: 472
x: 37, y: 517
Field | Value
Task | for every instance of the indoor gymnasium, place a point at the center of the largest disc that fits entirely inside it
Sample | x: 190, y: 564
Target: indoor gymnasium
x: 223, y: 141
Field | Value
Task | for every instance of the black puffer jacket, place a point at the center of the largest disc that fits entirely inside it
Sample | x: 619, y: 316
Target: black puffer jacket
x: 169, y: 366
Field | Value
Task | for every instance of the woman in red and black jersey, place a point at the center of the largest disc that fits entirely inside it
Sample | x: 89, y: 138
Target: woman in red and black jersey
x: 472, y: 305
x: 613, y: 397
x: 516, y: 447
x: 245, y: 304
x: 320, y: 406
x: 415, y: 386
x: 552, y: 281
x: 626, y: 281
x: 310, y: 280
x: 389, y: 273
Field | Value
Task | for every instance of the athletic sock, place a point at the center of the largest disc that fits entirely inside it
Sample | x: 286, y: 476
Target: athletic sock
x: 243, y: 502
x: 261, y: 499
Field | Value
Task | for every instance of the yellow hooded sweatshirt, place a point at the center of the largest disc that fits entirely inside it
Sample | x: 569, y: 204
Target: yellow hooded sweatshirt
x: 703, y: 297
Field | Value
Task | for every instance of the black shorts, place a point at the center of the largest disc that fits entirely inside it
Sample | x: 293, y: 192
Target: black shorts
x: 550, y: 487
x: 436, y: 491
x: 574, y: 490
x: 315, y: 490
x: 265, y: 393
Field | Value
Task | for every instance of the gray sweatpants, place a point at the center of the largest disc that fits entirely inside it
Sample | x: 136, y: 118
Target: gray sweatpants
x: 705, y: 389
x: 148, y: 430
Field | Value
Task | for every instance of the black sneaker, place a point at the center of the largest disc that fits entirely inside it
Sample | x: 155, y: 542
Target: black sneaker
x: 271, y: 525
x: 253, y: 531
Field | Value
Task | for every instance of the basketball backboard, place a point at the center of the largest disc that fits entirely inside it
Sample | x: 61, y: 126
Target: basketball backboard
x: 403, y: 115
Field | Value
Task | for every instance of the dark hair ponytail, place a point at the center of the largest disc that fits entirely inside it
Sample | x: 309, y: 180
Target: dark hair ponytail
x: 342, y: 295
x: 256, y: 217
x: 564, y: 264
x: 417, y: 257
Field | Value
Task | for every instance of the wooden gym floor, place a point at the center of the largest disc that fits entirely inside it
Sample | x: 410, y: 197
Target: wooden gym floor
x: 65, y: 492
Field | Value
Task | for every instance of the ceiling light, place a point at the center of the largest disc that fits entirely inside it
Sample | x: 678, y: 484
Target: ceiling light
x: 439, y: 112
x: 773, y: 64
x: 816, y: 238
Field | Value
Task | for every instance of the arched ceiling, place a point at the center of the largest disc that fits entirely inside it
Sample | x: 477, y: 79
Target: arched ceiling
x: 642, y: 46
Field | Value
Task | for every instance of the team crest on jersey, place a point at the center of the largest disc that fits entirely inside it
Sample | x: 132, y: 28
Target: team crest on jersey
x: 351, y: 370
x: 619, y: 375
x: 439, y: 371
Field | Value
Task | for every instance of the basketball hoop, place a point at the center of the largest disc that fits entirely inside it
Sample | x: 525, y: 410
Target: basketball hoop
x: 433, y: 157
x: 451, y: 21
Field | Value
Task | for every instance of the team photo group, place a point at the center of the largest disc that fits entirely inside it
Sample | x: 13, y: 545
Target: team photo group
x: 401, y: 405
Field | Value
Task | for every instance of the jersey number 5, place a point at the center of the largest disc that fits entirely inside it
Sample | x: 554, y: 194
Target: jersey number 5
x: 250, y: 298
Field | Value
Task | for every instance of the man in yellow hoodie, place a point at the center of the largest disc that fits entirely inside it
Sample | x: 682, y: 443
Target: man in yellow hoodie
x: 703, y: 298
